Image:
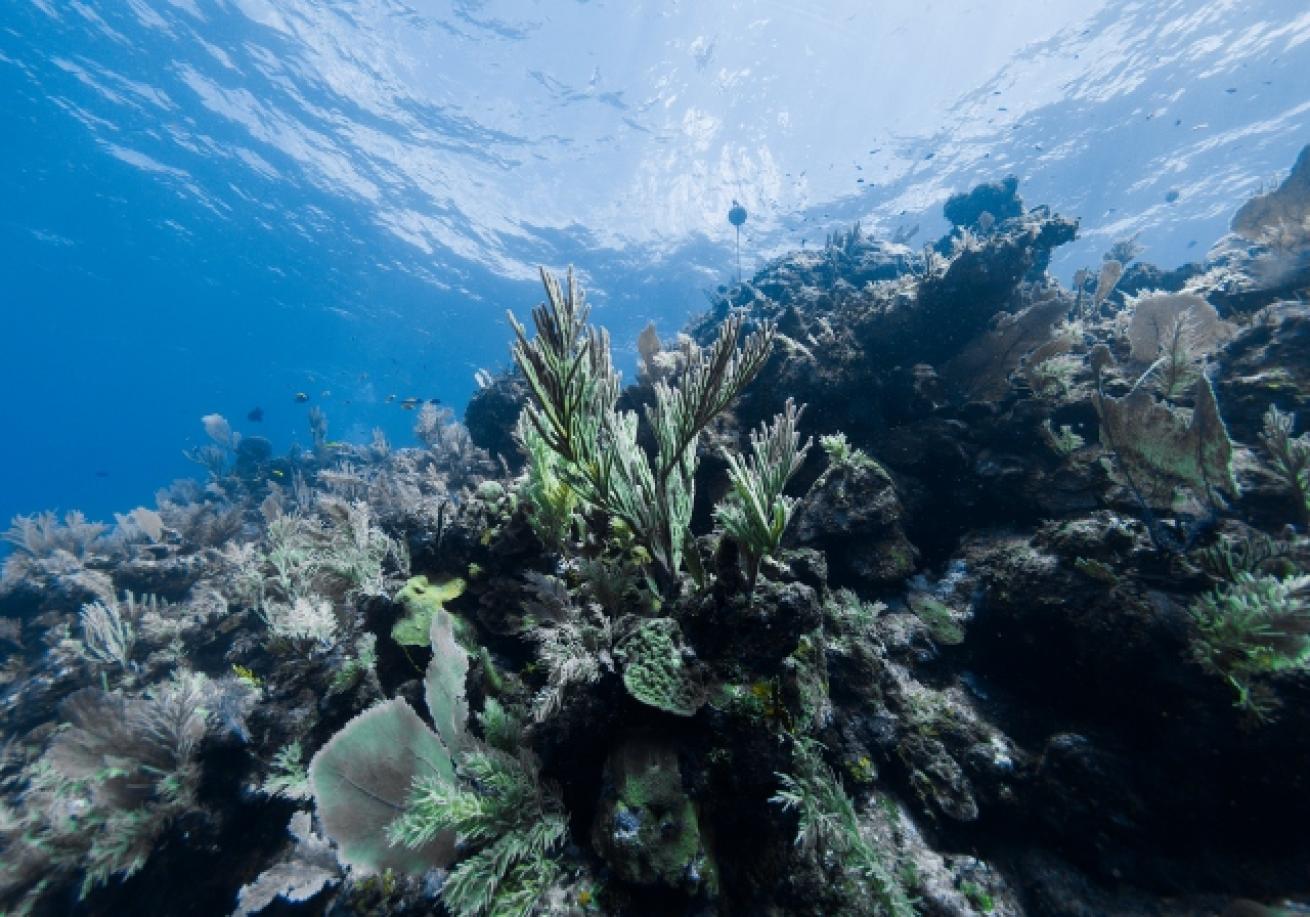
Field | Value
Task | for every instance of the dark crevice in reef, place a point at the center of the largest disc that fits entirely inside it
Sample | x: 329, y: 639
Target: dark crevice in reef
x: 1025, y: 630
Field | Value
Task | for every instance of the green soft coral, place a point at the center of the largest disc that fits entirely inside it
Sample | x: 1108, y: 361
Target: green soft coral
x: 1291, y: 457
x: 1255, y: 626
x: 756, y: 512
x: 573, y: 410
x: 508, y: 824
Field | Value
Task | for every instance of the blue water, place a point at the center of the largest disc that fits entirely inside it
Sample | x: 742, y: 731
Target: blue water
x: 213, y: 205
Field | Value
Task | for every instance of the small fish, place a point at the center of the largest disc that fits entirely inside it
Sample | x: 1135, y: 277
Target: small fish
x: 390, y: 399
x: 301, y: 397
x: 434, y: 401
x: 1172, y: 195
x: 410, y: 404
x: 256, y: 415
x: 278, y: 472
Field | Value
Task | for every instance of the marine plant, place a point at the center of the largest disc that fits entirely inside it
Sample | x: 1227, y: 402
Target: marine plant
x: 353, y: 549
x: 836, y: 446
x: 937, y: 617
x: 358, y: 666
x: 1064, y: 441
x: 307, y: 619
x: 1178, y: 365
x: 310, y: 867
x: 318, y: 428
x: 1254, y: 553
x: 574, y: 651
x: 310, y: 565
x: 287, y: 776
x: 213, y: 456
x: 450, y: 448
x: 552, y: 502
x: 1174, y: 327
x: 1158, y: 446
x: 43, y: 534
x: 1052, y: 378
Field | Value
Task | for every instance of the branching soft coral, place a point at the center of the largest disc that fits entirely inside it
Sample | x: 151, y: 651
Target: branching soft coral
x: 502, y: 811
x: 309, y: 567
x: 574, y: 394
x: 109, y: 784
x: 828, y: 828
x: 43, y: 534
x: 1256, y: 626
x: 1291, y: 457
x: 756, y: 513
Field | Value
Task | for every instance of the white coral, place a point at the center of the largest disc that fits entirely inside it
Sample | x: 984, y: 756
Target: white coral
x: 109, y: 632
x: 305, y: 618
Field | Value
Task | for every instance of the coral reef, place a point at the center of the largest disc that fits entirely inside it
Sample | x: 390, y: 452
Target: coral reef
x: 1029, y: 632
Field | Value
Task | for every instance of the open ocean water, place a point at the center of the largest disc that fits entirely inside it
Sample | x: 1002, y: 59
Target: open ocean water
x: 214, y: 206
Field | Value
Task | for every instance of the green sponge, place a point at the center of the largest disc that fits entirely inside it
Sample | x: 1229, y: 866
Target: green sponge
x: 421, y: 600
x: 655, y: 669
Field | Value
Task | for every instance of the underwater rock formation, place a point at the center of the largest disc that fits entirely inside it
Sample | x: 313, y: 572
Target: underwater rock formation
x: 853, y: 516
x: 999, y: 199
